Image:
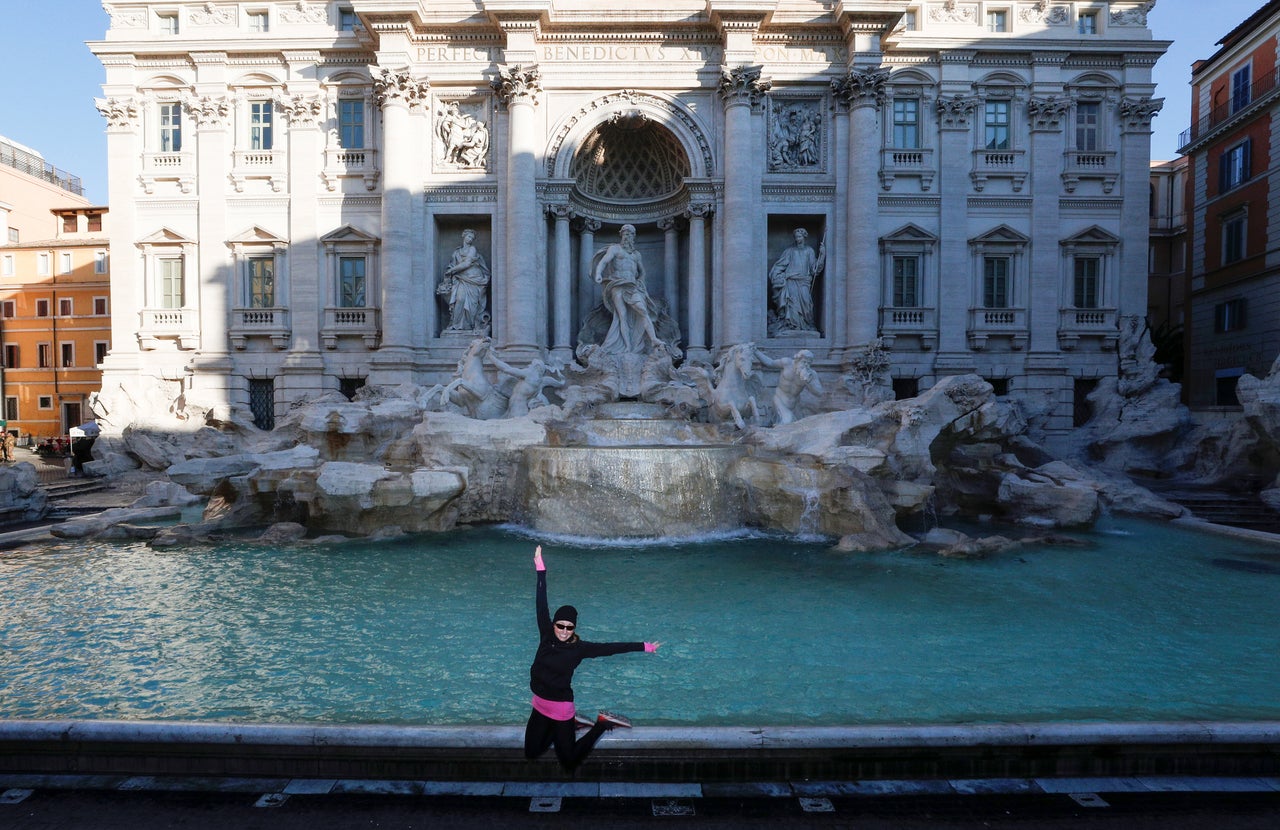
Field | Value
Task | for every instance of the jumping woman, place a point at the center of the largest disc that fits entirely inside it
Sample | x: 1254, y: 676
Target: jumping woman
x: 560, y: 650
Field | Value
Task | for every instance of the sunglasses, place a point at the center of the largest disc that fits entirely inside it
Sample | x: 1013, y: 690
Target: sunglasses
x: 565, y: 626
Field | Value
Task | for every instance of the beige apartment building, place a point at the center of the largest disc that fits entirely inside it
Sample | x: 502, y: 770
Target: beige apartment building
x: 55, y: 324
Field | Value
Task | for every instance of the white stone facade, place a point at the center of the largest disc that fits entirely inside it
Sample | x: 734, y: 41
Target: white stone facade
x: 289, y: 182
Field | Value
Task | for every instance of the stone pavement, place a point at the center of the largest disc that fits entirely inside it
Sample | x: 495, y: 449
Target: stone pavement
x: 129, y: 803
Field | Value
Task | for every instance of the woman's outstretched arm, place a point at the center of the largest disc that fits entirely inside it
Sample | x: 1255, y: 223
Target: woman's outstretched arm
x: 544, y: 613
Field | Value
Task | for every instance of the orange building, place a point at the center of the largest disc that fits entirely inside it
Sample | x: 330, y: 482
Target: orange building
x: 55, y: 324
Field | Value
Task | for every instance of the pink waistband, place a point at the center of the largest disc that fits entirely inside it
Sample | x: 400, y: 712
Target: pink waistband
x: 554, y: 709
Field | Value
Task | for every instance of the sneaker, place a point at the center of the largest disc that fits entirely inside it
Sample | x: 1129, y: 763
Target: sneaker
x: 584, y: 721
x: 614, y: 720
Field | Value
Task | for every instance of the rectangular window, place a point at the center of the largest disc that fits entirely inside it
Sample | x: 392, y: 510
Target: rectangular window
x: 1081, y: 411
x: 1241, y: 83
x: 11, y: 408
x: 9, y: 309
x: 100, y: 306
x: 906, y: 123
x: 13, y: 236
x: 995, y: 282
x: 95, y: 223
x: 100, y: 348
x: 172, y: 290
x: 1233, y: 235
x: 170, y: 128
x: 346, y: 20
x: 66, y: 308
x: 69, y: 224
x: 44, y: 355
x: 262, y: 282
x: 99, y: 262
x: 1086, y: 283
x: 351, y: 124
x: 998, y: 20
x: 64, y: 263
x: 1088, y: 126
x: 262, y: 402
x: 996, y: 124
x: 909, y: 21
x: 42, y: 265
x: 1230, y: 316
x: 906, y: 282
x: 68, y: 355
x: 260, y: 118
x: 351, y: 286
x: 904, y: 388
x: 42, y: 308
x: 1087, y: 23
x: 44, y: 402
x: 168, y: 23
x: 258, y: 22
x: 1234, y: 166
x: 9, y: 265
x: 11, y: 355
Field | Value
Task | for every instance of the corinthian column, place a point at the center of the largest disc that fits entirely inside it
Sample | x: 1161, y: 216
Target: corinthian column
x: 518, y: 88
x: 563, y: 281
x: 124, y: 120
x: 862, y: 91
x: 741, y: 317
x: 396, y: 92
x: 1135, y: 152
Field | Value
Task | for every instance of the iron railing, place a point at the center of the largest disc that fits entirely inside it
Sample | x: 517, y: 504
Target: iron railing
x: 34, y: 165
x: 1226, y: 111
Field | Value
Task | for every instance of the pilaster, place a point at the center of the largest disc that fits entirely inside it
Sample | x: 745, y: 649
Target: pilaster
x: 1135, y: 229
x: 742, y: 313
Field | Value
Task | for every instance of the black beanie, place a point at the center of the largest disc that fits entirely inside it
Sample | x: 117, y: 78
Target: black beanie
x: 567, y: 613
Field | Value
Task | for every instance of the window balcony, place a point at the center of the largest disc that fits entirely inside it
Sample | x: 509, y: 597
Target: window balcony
x: 351, y: 322
x: 342, y: 163
x: 909, y: 322
x: 999, y: 164
x: 260, y: 322
x: 172, y: 167
x: 1099, y: 323
x: 258, y: 164
x: 181, y: 324
x: 903, y: 162
x: 1237, y: 107
x: 1090, y: 165
x: 1009, y: 323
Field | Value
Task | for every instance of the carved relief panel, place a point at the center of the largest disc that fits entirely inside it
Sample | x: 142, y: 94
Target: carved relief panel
x: 797, y: 134
x: 462, y: 134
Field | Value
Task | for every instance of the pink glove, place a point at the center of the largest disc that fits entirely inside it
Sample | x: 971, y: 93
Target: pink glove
x: 651, y: 647
x: 537, y: 560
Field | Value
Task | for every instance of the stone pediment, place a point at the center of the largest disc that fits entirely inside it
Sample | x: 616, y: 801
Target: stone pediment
x: 255, y: 234
x: 1001, y: 235
x: 346, y: 233
x: 1093, y: 236
x: 165, y: 236
x: 909, y: 232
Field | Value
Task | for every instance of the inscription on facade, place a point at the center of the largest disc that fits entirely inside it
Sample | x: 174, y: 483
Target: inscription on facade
x: 800, y: 54
x: 626, y: 52
x: 455, y: 54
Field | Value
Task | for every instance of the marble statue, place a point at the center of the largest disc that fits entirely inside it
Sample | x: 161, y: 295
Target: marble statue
x: 791, y: 285
x: 796, y: 376
x: 530, y: 382
x: 620, y: 272
x: 794, y: 137
x: 464, y: 138
x: 470, y: 389
x: 730, y: 393
x: 464, y: 283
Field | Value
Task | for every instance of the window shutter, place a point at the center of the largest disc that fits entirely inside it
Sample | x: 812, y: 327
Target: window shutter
x: 1247, y: 161
x: 1224, y: 171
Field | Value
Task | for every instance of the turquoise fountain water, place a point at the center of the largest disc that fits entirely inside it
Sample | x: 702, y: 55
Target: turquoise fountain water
x: 1149, y: 623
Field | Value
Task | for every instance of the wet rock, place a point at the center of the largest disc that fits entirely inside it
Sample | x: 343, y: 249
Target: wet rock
x: 162, y: 493
x: 282, y: 533
x: 98, y: 523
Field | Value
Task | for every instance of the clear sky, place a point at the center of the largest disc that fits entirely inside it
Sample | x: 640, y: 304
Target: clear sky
x: 51, y: 79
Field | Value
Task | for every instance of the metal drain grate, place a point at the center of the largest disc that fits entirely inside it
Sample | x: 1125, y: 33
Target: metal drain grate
x: 672, y: 807
x: 817, y: 805
x: 545, y: 804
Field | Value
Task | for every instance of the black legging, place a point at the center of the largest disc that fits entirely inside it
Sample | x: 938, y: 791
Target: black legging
x: 543, y: 731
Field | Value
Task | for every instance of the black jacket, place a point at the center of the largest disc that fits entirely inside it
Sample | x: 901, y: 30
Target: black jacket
x: 551, y: 675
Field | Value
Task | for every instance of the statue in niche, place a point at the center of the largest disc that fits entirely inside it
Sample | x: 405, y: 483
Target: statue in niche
x: 797, y: 377
x: 791, y: 286
x: 793, y: 140
x: 464, y: 283
x: 628, y: 321
x: 465, y: 139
